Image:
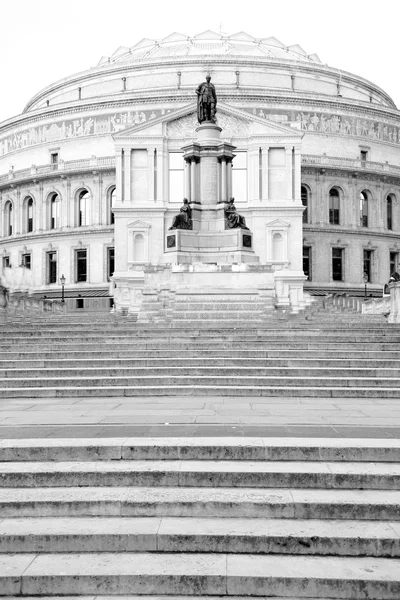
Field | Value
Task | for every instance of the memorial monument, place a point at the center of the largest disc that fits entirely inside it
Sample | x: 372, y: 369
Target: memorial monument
x: 210, y: 246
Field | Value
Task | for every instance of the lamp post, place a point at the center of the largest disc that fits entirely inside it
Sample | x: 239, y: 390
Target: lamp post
x: 365, y: 285
x: 62, y: 281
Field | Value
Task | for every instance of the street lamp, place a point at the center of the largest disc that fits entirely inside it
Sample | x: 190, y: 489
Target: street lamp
x: 365, y: 285
x: 62, y: 281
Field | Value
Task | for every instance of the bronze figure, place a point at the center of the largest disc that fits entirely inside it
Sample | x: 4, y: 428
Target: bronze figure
x: 183, y: 220
x: 233, y: 219
x: 206, y: 101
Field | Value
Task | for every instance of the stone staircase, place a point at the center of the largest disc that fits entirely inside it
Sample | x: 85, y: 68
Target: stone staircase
x: 329, y: 355
x: 200, y: 517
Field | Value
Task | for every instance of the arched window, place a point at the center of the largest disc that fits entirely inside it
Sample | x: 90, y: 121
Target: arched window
x: 111, y: 203
x: 363, y: 209
x: 54, y: 211
x: 83, y: 205
x: 304, y: 201
x: 389, y: 212
x: 334, y: 207
x: 29, y: 215
x: 277, y: 247
x: 8, y: 218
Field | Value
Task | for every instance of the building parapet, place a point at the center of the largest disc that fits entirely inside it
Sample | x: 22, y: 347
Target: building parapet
x: 350, y: 164
x: 108, y: 162
x: 95, y: 163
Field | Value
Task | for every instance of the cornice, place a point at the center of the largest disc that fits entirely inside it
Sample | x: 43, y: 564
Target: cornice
x: 56, y: 234
x: 341, y: 232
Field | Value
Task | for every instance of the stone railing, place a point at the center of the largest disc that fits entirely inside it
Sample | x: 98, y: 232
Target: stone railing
x: 26, y: 307
x: 79, y: 165
x: 341, y: 302
x: 349, y: 164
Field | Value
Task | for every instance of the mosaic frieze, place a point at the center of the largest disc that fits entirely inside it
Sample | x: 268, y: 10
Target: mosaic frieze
x: 74, y: 128
x: 331, y: 123
x: 112, y: 123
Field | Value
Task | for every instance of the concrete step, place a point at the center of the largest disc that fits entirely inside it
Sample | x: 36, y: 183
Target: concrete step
x: 192, y: 380
x: 201, y: 448
x: 233, y: 390
x: 215, y: 474
x: 201, y: 361
x: 235, y: 371
x: 174, y: 534
x: 149, y: 352
x: 273, y: 503
x: 196, y: 574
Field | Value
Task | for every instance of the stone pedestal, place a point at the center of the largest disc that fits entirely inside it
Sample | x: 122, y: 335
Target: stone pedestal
x: 208, y: 181
x: 394, y: 315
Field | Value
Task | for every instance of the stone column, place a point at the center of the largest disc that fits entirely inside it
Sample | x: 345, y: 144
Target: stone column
x: 150, y: 174
x: 223, y: 179
x: 188, y: 191
x: 127, y: 174
x: 229, y: 175
x: 288, y: 152
x: 118, y: 175
x: 297, y: 174
x: 265, y: 173
x: 193, y: 169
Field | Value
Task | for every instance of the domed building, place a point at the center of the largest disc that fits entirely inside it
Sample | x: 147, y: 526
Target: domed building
x: 90, y: 144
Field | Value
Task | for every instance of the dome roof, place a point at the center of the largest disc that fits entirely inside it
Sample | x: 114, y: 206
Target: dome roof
x: 212, y: 44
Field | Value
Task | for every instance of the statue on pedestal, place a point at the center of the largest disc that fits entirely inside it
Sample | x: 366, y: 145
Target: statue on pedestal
x: 233, y: 219
x: 183, y: 220
x: 206, y: 101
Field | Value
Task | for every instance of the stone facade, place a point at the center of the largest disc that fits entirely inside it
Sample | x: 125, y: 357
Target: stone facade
x: 65, y: 143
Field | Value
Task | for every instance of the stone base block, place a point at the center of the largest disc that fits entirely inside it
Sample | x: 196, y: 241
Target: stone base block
x: 222, y: 247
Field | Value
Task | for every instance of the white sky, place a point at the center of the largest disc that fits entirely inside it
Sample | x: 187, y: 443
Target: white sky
x: 45, y: 40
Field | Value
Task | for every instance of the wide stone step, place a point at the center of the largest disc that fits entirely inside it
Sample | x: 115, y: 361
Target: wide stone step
x: 274, y: 503
x: 201, y: 448
x: 392, y: 365
x: 194, y: 574
x: 193, y: 380
x: 224, y: 352
x: 191, y: 371
x: 169, y: 534
x: 246, y: 474
x: 68, y: 391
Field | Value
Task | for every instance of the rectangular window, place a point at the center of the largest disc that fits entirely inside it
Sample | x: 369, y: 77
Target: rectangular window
x: 80, y: 265
x: 80, y: 303
x: 27, y: 260
x: 368, y: 264
x: 337, y: 264
x: 239, y: 177
x: 6, y: 262
x: 176, y: 177
x: 363, y: 155
x: 307, y: 262
x: 54, y: 160
x: 51, y: 267
x: 276, y: 174
x: 110, y: 262
x: 393, y: 262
